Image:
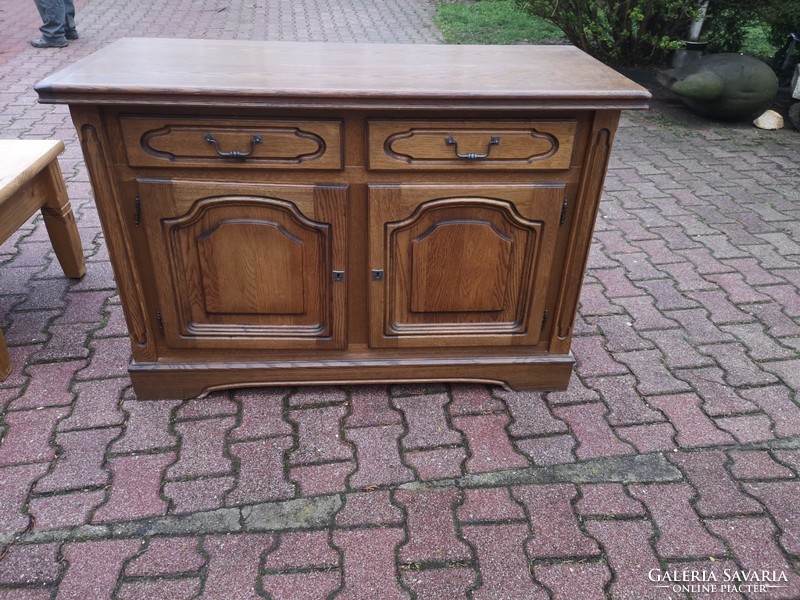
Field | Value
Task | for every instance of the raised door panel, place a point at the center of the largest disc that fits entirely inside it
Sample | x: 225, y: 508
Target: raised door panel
x: 251, y: 266
x: 471, y: 256
x: 456, y: 265
x: 247, y: 266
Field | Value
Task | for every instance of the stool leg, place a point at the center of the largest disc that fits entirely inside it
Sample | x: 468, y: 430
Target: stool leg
x: 5, y: 359
x: 60, y: 222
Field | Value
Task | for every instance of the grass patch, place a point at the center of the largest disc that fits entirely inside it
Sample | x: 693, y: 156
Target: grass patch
x: 493, y: 22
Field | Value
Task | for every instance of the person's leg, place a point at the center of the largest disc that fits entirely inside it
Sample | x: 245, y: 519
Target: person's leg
x: 70, y: 29
x: 53, y: 16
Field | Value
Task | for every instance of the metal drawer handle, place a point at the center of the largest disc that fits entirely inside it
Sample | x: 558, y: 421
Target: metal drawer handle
x: 450, y: 141
x: 237, y: 154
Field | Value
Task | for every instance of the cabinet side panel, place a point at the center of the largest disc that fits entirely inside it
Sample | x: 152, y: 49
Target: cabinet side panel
x: 95, y: 145
x: 590, y: 190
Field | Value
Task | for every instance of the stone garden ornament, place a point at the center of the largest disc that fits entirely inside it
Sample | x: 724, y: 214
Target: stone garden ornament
x: 723, y: 86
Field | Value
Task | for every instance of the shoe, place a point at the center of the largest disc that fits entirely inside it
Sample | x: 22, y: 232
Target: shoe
x: 71, y: 35
x: 43, y: 43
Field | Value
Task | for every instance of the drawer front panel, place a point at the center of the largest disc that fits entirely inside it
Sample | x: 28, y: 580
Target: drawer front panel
x: 471, y: 145
x: 210, y: 142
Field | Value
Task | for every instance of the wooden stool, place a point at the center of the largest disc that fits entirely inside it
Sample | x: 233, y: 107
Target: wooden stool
x: 30, y: 179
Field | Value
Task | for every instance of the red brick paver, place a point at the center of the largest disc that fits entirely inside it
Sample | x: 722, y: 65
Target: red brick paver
x: 556, y: 531
x: 233, y: 564
x: 503, y: 564
x: 432, y: 536
x: 93, y: 567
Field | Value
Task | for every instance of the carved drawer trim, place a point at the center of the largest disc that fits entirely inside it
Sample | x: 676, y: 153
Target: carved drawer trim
x: 213, y: 142
x: 471, y: 145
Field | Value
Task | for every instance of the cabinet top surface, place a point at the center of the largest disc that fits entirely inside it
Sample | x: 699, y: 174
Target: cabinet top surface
x: 187, y: 71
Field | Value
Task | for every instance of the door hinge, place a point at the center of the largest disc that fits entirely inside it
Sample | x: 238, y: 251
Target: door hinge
x: 160, y: 322
x: 564, y: 211
x: 137, y: 211
x: 338, y: 275
x: 544, y: 319
x: 377, y: 275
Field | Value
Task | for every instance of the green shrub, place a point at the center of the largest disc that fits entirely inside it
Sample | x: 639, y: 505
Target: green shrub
x: 782, y: 18
x: 638, y: 32
x: 620, y: 32
x: 725, y: 26
x: 759, y: 28
x: 757, y: 42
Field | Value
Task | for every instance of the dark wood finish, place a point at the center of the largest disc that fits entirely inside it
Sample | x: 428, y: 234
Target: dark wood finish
x: 461, y: 265
x: 303, y: 74
x: 522, y: 145
x: 116, y: 212
x: 364, y: 213
x: 587, y: 202
x: 160, y: 380
x: 31, y: 180
x: 247, y: 266
x: 154, y: 142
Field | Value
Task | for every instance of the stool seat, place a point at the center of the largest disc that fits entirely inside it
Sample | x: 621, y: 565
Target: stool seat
x: 22, y: 160
x: 31, y: 180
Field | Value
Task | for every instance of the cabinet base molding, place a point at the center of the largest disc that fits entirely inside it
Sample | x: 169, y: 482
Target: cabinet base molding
x: 158, y: 381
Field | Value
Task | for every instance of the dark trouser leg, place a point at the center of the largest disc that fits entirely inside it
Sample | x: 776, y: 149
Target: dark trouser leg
x: 53, y: 15
x: 69, y: 12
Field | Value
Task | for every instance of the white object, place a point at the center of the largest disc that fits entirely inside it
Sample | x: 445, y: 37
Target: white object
x: 697, y: 24
x: 769, y: 120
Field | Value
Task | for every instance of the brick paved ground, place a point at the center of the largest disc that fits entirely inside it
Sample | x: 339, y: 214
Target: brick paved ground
x: 677, y: 445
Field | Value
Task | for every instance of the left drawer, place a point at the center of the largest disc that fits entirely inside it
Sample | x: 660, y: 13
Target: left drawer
x: 209, y: 142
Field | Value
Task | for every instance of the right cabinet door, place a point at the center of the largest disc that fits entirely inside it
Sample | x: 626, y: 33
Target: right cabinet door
x: 460, y: 265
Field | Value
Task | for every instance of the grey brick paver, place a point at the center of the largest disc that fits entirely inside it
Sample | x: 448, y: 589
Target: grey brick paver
x: 688, y: 347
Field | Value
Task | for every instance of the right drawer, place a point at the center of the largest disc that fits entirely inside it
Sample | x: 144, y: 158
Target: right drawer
x: 497, y: 145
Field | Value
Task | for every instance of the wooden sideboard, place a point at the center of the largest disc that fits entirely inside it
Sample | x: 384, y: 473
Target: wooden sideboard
x: 297, y: 213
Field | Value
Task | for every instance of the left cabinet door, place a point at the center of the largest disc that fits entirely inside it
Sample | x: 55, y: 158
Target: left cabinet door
x: 247, y: 266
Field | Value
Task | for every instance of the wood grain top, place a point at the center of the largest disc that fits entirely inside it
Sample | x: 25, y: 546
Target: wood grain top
x: 207, y: 72
x: 22, y: 160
